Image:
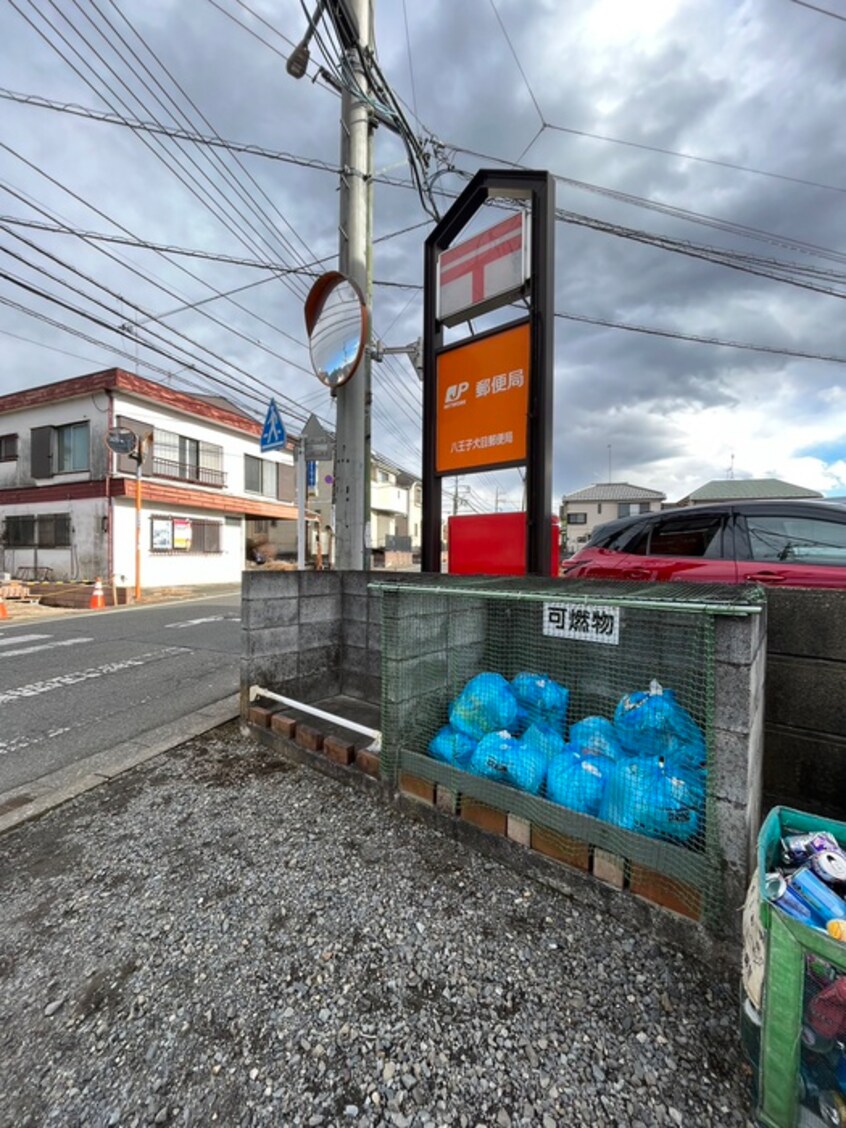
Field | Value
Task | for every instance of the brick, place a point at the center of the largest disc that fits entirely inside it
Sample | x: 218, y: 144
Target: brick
x: 610, y: 868
x: 665, y: 891
x: 518, y: 829
x: 310, y: 738
x: 285, y: 726
x: 446, y: 799
x: 561, y: 847
x: 367, y: 762
x: 341, y: 751
x: 259, y: 715
x: 417, y: 788
x: 483, y: 816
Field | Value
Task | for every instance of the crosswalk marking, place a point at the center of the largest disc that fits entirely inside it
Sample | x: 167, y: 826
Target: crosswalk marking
x: 207, y: 619
x: 22, y: 638
x: 44, y: 646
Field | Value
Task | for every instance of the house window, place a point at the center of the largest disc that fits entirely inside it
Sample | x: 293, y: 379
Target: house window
x: 179, y: 535
x: 8, y: 448
x: 630, y: 508
x: 47, y: 530
x: 577, y: 518
x: 190, y: 460
x: 260, y: 476
x: 71, y: 448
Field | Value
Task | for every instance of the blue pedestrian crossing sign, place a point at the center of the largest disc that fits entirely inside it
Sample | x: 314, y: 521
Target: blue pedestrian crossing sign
x: 273, y: 435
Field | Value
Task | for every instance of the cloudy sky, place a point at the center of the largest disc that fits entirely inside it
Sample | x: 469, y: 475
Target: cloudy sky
x: 699, y: 149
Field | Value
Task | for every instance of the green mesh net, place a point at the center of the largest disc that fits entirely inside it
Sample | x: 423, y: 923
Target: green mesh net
x: 580, y: 723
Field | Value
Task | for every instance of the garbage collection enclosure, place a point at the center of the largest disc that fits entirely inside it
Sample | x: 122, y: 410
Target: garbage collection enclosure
x: 618, y: 726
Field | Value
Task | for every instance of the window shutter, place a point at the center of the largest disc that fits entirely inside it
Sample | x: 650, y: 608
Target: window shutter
x: 41, y: 452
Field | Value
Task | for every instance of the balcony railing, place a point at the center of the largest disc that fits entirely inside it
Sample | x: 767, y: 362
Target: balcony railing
x: 183, y: 472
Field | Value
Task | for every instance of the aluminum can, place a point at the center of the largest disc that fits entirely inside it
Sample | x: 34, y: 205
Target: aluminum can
x: 822, y: 899
x: 779, y: 893
x: 797, y: 848
x: 830, y: 866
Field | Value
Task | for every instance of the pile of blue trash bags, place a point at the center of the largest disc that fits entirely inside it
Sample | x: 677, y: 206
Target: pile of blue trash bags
x: 644, y: 770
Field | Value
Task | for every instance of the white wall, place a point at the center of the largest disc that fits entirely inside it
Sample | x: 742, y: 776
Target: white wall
x: 176, y: 568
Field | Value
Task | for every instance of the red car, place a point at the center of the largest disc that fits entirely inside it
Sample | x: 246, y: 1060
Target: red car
x: 789, y: 543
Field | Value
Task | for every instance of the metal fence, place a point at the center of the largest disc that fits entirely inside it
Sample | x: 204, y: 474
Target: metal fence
x: 587, y: 722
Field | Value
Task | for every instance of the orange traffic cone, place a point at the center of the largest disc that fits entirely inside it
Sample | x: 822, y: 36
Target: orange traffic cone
x: 4, y: 614
x: 98, y: 600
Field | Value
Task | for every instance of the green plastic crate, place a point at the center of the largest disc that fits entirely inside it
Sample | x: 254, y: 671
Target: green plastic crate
x: 789, y: 942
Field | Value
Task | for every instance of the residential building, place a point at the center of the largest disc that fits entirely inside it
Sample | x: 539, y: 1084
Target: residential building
x: 396, y: 514
x: 72, y: 509
x: 583, y: 511
x: 746, y: 489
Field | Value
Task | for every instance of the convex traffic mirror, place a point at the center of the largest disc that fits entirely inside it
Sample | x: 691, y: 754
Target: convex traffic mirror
x: 336, y: 322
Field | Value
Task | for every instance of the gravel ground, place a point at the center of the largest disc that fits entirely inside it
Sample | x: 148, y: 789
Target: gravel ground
x: 222, y: 937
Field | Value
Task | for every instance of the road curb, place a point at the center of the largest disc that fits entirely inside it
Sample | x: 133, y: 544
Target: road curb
x: 33, y: 800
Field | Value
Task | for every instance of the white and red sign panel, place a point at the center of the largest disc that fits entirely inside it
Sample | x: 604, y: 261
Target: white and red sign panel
x: 483, y: 272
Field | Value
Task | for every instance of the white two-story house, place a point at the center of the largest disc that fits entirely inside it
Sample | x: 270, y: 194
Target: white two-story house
x: 72, y: 509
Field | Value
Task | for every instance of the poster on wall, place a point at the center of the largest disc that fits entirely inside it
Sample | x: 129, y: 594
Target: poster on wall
x: 181, y: 533
x: 162, y: 534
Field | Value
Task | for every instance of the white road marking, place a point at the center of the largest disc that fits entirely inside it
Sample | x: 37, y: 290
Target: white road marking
x: 21, y: 638
x: 26, y: 742
x: 44, y: 646
x: 64, y: 680
x: 207, y: 619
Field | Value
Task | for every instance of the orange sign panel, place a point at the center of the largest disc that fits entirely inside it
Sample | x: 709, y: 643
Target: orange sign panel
x: 483, y: 401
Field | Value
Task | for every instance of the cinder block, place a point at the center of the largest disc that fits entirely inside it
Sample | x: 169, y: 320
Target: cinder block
x: 665, y: 891
x: 417, y: 788
x: 518, y: 829
x: 561, y: 848
x: 483, y: 816
x: 446, y: 799
x: 610, y: 868
x: 367, y: 762
x: 308, y: 737
x: 341, y: 751
x: 259, y: 715
x: 285, y: 726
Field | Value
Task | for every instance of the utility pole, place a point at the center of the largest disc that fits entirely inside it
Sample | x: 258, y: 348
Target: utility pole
x: 352, y: 439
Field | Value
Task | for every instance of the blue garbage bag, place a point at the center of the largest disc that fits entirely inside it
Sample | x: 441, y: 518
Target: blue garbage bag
x: 577, y: 781
x: 486, y: 704
x: 545, y: 739
x: 452, y: 746
x: 654, y: 797
x: 652, y: 723
x: 596, y: 736
x: 504, y: 758
x: 542, y: 701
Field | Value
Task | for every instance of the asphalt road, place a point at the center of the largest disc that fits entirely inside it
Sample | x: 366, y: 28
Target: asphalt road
x: 74, y: 689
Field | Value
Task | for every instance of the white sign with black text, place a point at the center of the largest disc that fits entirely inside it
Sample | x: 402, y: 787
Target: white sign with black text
x: 586, y: 621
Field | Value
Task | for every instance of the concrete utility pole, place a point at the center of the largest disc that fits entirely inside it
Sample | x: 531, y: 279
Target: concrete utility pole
x: 352, y: 439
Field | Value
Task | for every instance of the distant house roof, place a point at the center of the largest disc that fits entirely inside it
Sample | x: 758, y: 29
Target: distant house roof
x: 614, y: 491
x: 746, y: 489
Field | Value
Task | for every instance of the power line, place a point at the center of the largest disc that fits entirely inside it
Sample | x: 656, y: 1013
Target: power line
x: 174, y: 132
x: 822, y: 11
x: 652, y: 331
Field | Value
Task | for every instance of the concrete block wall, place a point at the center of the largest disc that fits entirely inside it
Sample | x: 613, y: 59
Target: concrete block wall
x: 739, y: 667
x: 312, y: 635
x: 805, y: 726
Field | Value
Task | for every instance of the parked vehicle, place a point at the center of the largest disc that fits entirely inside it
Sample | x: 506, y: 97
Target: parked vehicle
x: 788, y: 543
